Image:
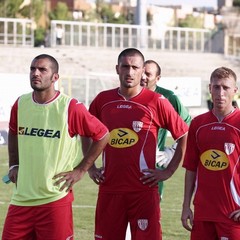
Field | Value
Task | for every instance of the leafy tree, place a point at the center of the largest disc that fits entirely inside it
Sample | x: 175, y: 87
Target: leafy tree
x: 108, y: 16
x: 104, y: 13
x: 9, y: 8
x: 39, y: 35
x: 61, y: 12
x: 236, y: 3
x: 34, y: 10
x: 191, y: 22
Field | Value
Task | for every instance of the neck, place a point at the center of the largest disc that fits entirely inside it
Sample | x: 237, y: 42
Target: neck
x: 129, y: 93
x: 222, y: 114
x: 43, y: 98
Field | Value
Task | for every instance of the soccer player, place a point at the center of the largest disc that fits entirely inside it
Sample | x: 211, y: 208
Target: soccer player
x: 45, y: 156
x: 212, y: 165
x: 128, y: 179
x: 164, y: 153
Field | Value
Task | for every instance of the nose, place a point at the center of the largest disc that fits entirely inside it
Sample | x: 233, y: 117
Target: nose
x: 144, y: 77
x: 35, y: 72
x: 221, y: 91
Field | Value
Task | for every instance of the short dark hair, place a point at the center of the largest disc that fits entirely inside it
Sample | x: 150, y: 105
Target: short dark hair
x: 130, y: 52
x: 158, y: 73
x: 223, y: 72
x: 55, y: 65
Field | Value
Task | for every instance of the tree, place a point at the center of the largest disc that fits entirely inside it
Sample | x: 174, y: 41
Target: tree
x: 104, y: 13
x: 191, y: 22
x: 61, y: 12
x: 236, y: 3
x: 34, y: 10
x: 10, y: 8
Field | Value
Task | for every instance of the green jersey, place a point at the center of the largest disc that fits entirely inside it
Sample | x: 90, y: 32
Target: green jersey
x: 180, y: 109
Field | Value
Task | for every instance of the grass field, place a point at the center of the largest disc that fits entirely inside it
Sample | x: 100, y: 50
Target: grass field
x: 85, y: 200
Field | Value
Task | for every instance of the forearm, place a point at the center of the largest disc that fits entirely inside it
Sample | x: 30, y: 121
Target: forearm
x: 190, y: 178
x: 178, y: 155
x: 91, y: 151
x: 13, y: 149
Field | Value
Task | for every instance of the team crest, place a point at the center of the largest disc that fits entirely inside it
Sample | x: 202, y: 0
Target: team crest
x: 137, y: 126
x: 143, y: 224
x: 229, y: 148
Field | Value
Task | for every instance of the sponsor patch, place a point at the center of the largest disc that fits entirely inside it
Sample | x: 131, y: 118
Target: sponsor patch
x: 214, y: 160
x: 122, y: 138
x: 38, y: 132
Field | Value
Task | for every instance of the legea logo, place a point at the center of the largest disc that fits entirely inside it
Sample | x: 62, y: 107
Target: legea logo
x: 122, y: 138
x: 214, y: 160
x: 38, y: 132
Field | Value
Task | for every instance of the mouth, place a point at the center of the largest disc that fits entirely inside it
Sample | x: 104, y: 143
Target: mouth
x: 35, y: 80
x: 128, y: 80
x: 219, y: 101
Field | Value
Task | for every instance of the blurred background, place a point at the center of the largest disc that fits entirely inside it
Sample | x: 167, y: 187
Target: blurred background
x: 189, y: 39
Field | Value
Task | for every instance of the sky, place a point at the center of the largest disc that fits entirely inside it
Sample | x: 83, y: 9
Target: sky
x: 194, y: 3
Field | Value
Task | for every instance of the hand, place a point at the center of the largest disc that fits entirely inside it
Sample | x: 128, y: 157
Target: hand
x: 13, y: 174
x: 68, y: 178
x: 153, y: 176
x: 235, y: 215
x: 187, y: 218
x: 96, y: 174
x: 163, y: 158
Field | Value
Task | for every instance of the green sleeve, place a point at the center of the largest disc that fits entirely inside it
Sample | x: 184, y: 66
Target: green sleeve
x: 180, y: 109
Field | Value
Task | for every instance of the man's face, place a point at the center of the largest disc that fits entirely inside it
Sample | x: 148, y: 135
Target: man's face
x: 41, y: 74
x: 223, y: 91
x: 151, y: 77
x: 130, y: 70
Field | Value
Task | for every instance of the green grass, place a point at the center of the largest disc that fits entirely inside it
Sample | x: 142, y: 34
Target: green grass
x: 85, y: 193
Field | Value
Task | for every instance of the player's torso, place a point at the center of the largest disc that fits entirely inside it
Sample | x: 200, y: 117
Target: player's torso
x: 218, y: 172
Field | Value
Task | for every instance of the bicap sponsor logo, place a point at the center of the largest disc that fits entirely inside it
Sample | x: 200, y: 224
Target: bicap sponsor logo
x: 38, y: 132
x: 122, y: 138
x: 214, y: 160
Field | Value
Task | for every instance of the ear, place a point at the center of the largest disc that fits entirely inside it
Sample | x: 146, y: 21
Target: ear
x: 55, y: 77
x: 209, y: 88
x: 117, y: 69
x: 235, y: 89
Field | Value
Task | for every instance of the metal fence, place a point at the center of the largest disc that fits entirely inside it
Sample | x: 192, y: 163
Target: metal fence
x: 16, y: 32
x: 20, y: 32
x: 86, y: 34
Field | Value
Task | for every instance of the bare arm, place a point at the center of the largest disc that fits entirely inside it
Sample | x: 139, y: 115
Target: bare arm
x: 187, y: 215
x: 178, y: 155
x: 94, y: 173
x: 90, y: 154
x: 153, y: 176
x: 13, y: 156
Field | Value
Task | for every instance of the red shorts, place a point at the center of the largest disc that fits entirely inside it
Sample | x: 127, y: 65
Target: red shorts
x: 114, y: 211
x: 48, y: 221
x: 215, y: 231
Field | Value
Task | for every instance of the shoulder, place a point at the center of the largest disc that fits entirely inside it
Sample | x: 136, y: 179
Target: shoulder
x: 109, y: 92
x: 164, y: 91
x: 204, y: 118
x: 74, y: 104
x: 105, y: 97
x: 149, y: 96
x: 25, y: 96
